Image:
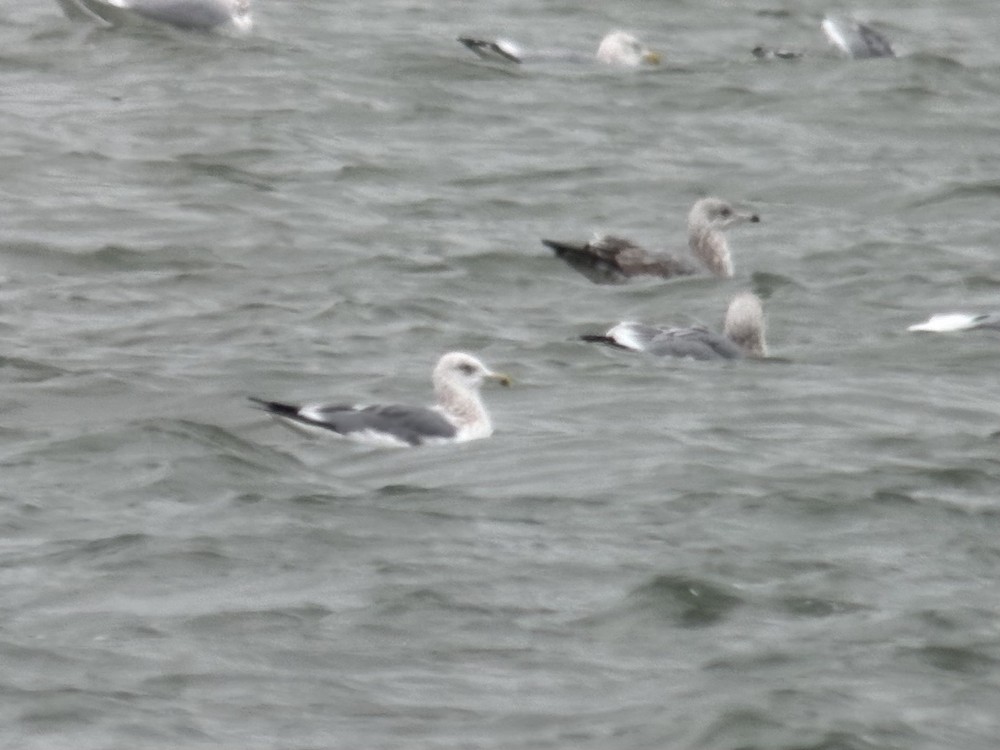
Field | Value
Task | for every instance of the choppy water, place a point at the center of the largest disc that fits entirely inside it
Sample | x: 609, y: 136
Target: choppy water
x: 791, y: 554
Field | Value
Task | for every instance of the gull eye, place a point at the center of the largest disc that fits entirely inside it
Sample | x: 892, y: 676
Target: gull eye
x: 466, y: 369
x: 725, y: 211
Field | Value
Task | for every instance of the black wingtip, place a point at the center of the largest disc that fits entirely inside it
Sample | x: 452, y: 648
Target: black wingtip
x: 275, y: 407
x: 592, y: 338
x: 560, y: 248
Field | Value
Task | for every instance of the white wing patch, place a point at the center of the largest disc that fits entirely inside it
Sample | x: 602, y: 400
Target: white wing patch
x: 947, y: 323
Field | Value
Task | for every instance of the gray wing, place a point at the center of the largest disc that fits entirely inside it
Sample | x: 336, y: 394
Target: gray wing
x: 697, y: 343
x: 505, y: 50
x: 185, y: 14
x: 410, y: 424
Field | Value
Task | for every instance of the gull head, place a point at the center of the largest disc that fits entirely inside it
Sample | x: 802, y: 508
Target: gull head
x: 715, y: 213
x: 706, y: 222
x: 465, y: 371
x: 744, y: 324
x: 623, y: 48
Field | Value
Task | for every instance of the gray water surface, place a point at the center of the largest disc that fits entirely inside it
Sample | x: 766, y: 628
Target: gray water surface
x: 799, y: 553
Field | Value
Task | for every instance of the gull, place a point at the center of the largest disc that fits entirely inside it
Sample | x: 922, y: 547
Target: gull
x: 855, y: 39
x: 742, y: 335
x: 851, y: 38
x: 232, y: 16
x: 616, y: 48
x: 607, y: 258
x: 458, y: 416
x: 955, y: 322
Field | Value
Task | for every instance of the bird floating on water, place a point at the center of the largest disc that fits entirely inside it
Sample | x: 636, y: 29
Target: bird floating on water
x: 855, y: 39
x: 957, y: 322
x: 458, y: 416
x: 616, y: 48
x: 607, y: 258
x: 227, y: 16
x: 742, y: 335
x: 851, y: 37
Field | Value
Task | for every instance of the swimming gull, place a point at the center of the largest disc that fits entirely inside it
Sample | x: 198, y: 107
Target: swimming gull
x: 764, y: 53
x: 851, y: 37
x: 608, y: 258
x: 742, y: 336
x: 616, y: 48
x: 458, y: 416
x: 228, y: 16
x: 856, y: 39
x: 954, y: 322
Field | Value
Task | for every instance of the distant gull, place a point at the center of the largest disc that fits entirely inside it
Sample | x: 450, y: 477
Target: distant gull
x: 856, y: 39
x: 851, y: 37
x: 742, y: 336
x: 617, y: 48
x: 764, y: 53
x: 608, y: 259
x: 458, y: 416
x: 955, y: 322
x: 228, y: 16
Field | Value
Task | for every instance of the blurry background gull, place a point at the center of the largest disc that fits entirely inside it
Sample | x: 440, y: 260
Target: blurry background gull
x: 226, y: 16
x: 616, y: 48
x: 742, y: 335
x: 957, y: 322
x: 849, y: 36
x: 607, y: 258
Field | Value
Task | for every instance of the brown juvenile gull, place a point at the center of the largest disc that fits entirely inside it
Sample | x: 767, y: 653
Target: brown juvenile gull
x: 954, y: 322
x: 609, y: 259
x: 232, y: 16
x: 458, y: 416
x: 616, y: 48
x: 742, y: 335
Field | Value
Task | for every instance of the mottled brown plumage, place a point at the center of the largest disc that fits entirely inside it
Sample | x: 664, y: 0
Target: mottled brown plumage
x: 607, y: 259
